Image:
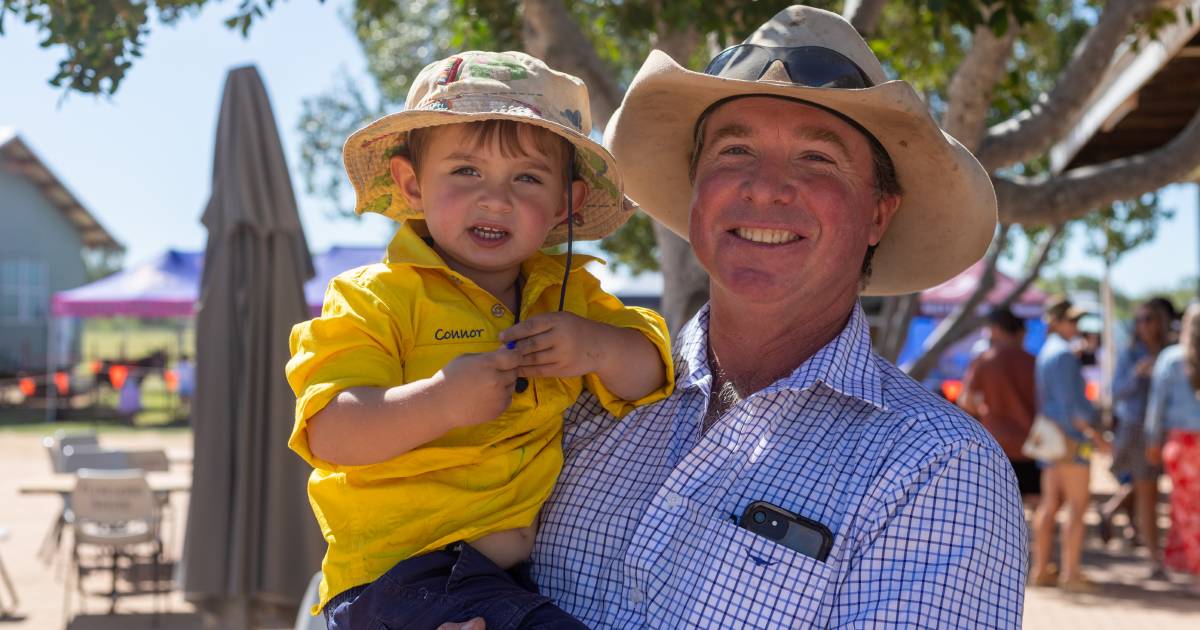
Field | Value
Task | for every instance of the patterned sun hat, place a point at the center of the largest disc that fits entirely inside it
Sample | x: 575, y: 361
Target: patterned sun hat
x: 473, y: 86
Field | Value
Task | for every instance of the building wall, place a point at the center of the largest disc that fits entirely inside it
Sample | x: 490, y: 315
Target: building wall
x: 40, y: 253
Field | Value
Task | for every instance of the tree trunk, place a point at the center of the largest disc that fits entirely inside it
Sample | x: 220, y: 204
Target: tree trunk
x: 895, y: 318
x: 550, y: 34
x: 685, y: 283
x: 864, y: 15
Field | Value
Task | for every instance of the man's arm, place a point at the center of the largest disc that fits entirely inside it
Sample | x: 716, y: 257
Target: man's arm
x: 945, y: 546
x: 1084, y: 415
x: 966, y: 397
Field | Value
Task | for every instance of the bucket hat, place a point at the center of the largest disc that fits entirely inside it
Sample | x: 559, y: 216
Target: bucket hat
x: 475, y: 86
x: 947, y: 216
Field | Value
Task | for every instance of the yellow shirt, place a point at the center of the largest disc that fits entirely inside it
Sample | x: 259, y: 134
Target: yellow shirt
x: 401, y: 321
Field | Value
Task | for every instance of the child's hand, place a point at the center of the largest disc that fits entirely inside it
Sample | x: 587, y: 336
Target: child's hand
x: 557, y: 344
x: 477, y: 388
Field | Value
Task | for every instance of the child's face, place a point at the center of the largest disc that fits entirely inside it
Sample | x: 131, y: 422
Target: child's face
x: 486, y: 211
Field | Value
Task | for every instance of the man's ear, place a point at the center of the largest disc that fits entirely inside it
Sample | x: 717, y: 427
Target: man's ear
x: 881, y: 218
x: 406, y: 180
x: 579, y: 193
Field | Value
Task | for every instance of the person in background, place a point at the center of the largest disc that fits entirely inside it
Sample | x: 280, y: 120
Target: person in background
x: 1173, y: 440
x: 1131, y: 387
x: 1062, y: 399
x: 998, y: 389
x: 185, y: 370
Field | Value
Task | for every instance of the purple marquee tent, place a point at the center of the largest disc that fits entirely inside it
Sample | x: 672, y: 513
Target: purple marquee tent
x: 164, y: 287
x: 168, y: 285
x: 339, y: 258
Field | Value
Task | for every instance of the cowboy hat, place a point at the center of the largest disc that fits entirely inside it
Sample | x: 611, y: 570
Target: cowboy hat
x: 475, y: 86
x: 947, y: 216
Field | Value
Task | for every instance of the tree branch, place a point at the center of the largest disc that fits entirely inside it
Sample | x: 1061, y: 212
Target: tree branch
x: 1034, y: 269
x: 551, y: 35
x: 1077, y: 192
x: 964, y: 318
x: 970, y: 91
x: 1035, y: 130
x: 864, y: 15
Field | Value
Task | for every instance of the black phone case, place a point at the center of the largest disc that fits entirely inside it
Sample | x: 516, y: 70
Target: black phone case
x: 796, y: 520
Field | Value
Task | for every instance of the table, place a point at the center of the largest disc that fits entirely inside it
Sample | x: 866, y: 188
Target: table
x: 64, y: 483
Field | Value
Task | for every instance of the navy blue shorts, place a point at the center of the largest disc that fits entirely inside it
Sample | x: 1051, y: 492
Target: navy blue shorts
x: 455, y: 584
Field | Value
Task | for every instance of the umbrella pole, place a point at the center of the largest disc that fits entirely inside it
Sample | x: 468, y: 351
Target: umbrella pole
x: 51, y: 386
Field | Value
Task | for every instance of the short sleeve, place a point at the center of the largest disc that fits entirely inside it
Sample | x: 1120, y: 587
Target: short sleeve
x: 603, y: 307
x: 356, y: 342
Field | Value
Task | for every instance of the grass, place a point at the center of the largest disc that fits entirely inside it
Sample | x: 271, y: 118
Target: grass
x: 131, y: 338
x: 117, y: 338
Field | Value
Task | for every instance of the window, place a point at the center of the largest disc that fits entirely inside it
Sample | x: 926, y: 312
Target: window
x: 24, y: 291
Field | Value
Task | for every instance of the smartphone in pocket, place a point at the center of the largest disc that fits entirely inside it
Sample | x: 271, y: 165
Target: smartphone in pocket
x: 793, y: 531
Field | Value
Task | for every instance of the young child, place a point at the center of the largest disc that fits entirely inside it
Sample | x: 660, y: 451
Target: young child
x: 431, y: 388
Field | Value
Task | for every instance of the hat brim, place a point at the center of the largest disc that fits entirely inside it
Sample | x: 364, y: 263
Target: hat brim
x: 368, y: 151
x: 946, y: 219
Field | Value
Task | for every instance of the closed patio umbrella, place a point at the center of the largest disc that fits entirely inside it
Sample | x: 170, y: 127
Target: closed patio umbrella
x: 251, y: 537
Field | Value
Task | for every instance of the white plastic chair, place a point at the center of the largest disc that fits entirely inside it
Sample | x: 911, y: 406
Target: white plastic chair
x: 148, y: 460
x: 69, y: 453
x: 60, y: 440
x: 312, y: 595
x: 10, y: 609
x: 116, y: 511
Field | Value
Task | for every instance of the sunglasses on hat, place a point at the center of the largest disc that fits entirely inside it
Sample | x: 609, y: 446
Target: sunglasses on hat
x: 809, y: 66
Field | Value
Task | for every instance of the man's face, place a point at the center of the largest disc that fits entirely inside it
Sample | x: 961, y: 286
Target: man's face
x: 1068, y: 328
x: 784, y: 204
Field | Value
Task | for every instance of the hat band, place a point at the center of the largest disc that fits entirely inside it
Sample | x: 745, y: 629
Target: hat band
x: 809, y: 66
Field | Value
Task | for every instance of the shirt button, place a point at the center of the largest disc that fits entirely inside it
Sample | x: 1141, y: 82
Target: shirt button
x: 636, y: 596
x: 497, y: 310
x: 674, y: 500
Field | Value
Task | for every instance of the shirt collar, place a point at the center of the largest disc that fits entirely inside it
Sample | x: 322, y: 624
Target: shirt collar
x: 408, y: 247
x: 846, y: 364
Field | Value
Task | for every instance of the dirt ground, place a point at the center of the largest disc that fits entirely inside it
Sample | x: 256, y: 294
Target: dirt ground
x: 40, y: 586
x: 1125, y: 600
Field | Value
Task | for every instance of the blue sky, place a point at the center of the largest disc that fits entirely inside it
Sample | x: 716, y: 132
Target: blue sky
x: 141, y: 161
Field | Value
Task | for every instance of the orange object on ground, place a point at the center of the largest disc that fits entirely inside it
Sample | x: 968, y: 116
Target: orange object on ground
x: 117, y: 375
x: 62, y: 381
x: 28, y: 385
x: 951, y: 389
x: 171, y: 379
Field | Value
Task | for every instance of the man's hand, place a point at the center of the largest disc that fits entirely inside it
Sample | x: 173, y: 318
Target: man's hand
x: 477, y: 388
x: 1154, y: 455
x: 557, y: 344
x: 1144, y: 368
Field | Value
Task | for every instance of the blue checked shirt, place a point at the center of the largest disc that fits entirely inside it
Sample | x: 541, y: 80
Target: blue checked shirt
x: 927, y: 523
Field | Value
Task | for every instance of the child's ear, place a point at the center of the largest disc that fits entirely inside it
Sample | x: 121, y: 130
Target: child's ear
x: 579, y: 192
x: 406, y: 180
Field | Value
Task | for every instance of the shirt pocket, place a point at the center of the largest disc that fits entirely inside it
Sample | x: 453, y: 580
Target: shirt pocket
x: 724, y: 576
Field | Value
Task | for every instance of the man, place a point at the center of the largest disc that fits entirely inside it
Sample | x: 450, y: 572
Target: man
x: 1062, y: 399
x: 781, y: 411
x: 998, y: 389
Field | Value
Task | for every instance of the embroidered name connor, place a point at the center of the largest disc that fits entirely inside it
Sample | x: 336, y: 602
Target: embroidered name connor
x: 442, y: 335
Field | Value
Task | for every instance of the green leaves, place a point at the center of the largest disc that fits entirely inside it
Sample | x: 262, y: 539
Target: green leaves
x: 102, y: 39
x: 1123, y: 226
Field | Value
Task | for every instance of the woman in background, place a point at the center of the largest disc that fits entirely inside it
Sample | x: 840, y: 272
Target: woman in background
x: 1131, y: 388
x: 1173, y: 439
